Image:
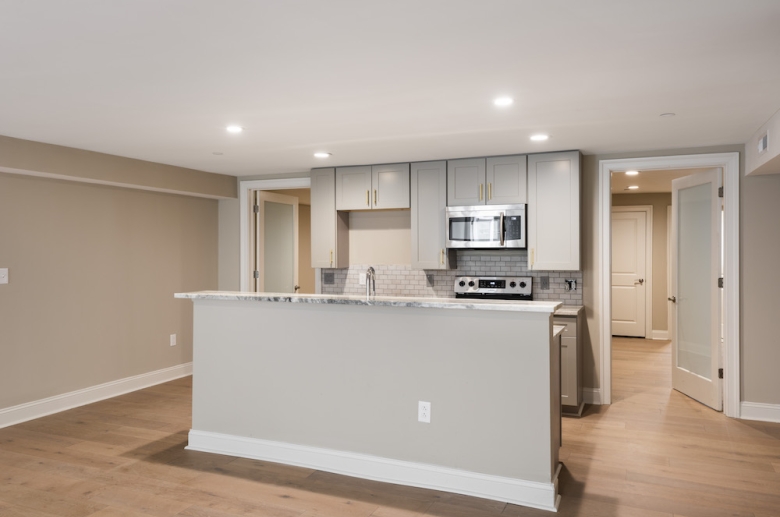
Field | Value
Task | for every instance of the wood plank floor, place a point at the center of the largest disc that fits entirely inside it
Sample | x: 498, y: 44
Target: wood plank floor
x: 652, y: 453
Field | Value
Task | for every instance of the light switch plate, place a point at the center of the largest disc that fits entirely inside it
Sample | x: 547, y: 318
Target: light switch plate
x: 361, y: 279
x: 4, y: 275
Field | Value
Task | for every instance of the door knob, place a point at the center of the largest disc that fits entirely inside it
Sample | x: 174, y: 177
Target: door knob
x: 297, y: 287
x: 673, y: 299
x: 641, y: 281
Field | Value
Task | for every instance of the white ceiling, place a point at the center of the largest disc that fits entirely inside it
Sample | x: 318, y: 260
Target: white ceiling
x: 383, y: 81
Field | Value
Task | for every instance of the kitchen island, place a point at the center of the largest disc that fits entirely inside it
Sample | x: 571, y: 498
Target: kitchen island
x: 333, y: 383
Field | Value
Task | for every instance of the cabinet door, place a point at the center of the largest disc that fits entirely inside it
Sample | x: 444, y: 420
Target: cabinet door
x: 507, y: 179
x: 391, y: 186
x: 429, y: 199
x: 353, y: 188
x: 466, y: 182
x: 554, y: 211
x: 323, y: 218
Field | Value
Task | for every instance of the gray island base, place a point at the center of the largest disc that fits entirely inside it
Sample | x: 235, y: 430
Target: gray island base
x: 333, y: 383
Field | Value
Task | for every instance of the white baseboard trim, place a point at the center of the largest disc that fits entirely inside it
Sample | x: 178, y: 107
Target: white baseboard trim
x: 662, y: 335
x: 592, y: 396
x: 39, y: 408
x: 527, y: 493
x: 759, y: 411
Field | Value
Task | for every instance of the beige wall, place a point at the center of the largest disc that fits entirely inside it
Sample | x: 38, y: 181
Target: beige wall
x: 93, y: 270
x: 759, y: 249
x: 659, y: 202
x: 380, y: 237
x: 229, y: 245
x: 55, y: 161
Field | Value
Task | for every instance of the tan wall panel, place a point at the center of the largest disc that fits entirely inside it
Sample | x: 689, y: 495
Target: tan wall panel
x: 380, y: 237
x: 229, y: 245
x: 93, y: 270
x: 305, y: 271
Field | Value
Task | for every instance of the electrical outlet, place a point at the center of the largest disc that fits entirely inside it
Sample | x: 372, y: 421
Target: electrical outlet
x: 361, y: 279
x: 544, y: 282
x: 173, y: 339
x: 4, y: 275
x: 329, y: 278
x: 429, y: 278
x: 424, y: 412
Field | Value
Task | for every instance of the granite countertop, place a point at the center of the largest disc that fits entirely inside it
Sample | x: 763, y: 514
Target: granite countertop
x: 568, y: 310
x: 392, y: 301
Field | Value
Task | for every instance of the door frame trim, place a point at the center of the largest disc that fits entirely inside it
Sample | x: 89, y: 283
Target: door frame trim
x: 648, y: 211
x: 730, y: 164
x: 245, y: 191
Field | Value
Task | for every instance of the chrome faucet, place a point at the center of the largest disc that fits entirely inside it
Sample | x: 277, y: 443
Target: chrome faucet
x: 370, y: 282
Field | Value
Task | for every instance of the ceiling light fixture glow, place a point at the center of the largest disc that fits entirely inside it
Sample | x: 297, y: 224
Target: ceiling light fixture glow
x: 503, y: 102
x: 632, y: 173
x: 633, y: 187
x: 321, y: 155
x: 234, y: 129
x: 539, y: 138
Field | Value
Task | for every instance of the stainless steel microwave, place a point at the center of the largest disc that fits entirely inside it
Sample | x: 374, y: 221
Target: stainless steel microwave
x: 486, y: 226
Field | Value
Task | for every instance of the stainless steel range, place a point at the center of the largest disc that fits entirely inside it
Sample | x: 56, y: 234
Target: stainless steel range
x: 494, y: 287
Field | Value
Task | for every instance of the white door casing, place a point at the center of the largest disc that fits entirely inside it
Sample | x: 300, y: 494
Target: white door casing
x: 246, y: 197
x: 729, y: 162
x: 631, y: 265
x: 695, y: 295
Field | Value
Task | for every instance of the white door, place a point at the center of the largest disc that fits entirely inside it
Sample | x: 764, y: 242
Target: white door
x: 629, y: 238
x: 276, y: 243
x: 695, y: 294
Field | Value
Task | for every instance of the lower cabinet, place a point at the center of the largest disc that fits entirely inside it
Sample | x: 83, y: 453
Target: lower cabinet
x: 571, y: 365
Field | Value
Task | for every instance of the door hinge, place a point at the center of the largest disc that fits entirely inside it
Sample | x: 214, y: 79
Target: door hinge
x: 720, y: 191
x: 720, y: 282
x: 720, y: 373
x: 256, y: 209
x: 256, y: 274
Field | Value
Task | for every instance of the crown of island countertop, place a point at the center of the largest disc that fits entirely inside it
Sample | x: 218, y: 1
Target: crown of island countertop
x: 391, y: 301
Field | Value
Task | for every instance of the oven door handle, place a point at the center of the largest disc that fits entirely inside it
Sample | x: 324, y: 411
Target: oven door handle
x: 501, y: 229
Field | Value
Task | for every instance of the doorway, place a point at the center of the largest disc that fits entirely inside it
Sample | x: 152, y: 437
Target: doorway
x: 275, y: 237
x: 729, y: 163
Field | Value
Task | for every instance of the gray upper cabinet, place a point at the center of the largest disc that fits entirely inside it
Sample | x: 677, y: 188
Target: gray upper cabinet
x: 466, y: 182
x: 353, y: 188
x: 329, y: 229
x: 372, y: 187
x: 499, y: 180
x: 554, y: 211
x: 429, y: 201
x: 507, y: 179
x: 391, y: 186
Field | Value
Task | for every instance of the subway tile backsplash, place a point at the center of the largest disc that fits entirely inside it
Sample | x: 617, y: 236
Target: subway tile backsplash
x: 402, y: 280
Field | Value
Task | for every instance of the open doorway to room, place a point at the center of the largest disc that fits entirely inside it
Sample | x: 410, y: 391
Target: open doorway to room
x: 644, y: 303
x: 275, y: 236
x: 677, y: 245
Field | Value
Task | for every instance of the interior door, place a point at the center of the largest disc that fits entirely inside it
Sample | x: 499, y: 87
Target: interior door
x: 276, y: 243
x: 695, y: 296
x: 629, y: 239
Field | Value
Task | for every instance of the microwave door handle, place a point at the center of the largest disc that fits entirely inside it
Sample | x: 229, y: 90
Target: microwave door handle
x: 501, y: 229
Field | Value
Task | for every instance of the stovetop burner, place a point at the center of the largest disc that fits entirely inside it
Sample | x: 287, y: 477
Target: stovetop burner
x: 494, y: 287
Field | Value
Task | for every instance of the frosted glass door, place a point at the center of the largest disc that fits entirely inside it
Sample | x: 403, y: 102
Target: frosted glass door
x: 695, y: 294
x: 276, y: 253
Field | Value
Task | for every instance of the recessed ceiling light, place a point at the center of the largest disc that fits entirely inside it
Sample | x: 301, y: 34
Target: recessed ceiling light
x: 539, y: 138
x: 667, y: 114
x: 234, y: 129
x: 503, y: 101
x: 632, y: 173
x: 321, y: 155
x: 633, y: 187
x: 217, y: 153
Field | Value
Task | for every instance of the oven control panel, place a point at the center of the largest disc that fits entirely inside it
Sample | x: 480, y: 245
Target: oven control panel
x: 495, y: 286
